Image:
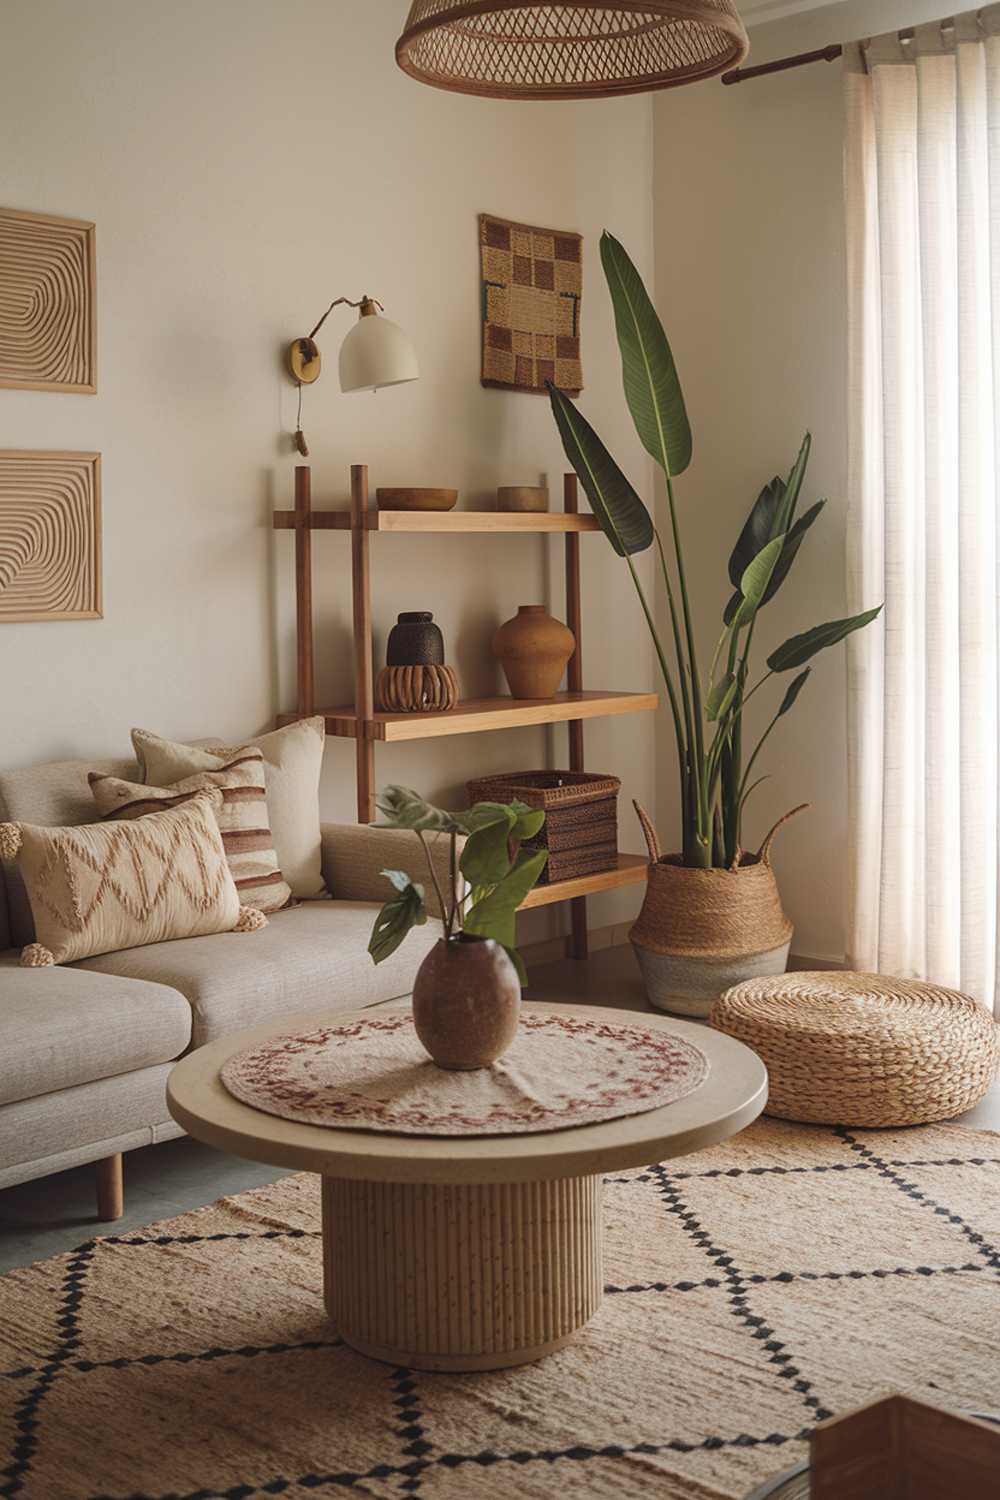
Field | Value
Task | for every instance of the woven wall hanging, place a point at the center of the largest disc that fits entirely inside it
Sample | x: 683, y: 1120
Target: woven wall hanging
x: 520, y: 49
x: 532, y: 283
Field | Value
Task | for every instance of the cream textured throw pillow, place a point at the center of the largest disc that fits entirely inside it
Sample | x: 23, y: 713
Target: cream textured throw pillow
x: 108, y: 886
x: 242, y: 815
x: 293, y: 759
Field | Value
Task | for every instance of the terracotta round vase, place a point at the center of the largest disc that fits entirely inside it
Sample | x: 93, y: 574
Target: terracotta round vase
x: 466, y: 1002
x: 533, y: 650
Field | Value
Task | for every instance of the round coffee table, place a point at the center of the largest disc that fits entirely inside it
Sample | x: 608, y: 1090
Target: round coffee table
x: 471, y: 1253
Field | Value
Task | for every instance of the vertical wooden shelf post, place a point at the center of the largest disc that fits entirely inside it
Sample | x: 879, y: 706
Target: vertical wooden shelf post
x: 364, y: 702
x: 574, y: 681
x: 305, y: 684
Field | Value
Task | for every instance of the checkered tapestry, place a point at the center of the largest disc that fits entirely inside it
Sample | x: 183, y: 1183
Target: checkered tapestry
x: 532, y: 282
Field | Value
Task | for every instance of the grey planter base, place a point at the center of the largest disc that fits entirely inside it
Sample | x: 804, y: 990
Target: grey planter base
x: 689, y: 986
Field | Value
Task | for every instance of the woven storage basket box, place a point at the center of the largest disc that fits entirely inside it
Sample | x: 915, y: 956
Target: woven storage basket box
x: 581, y: 817
x: 863, y: 1049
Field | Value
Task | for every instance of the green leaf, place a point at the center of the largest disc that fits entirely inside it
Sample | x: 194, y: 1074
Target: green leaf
x: 399, y: 878
x: 518, y: 963
x: 792, y: 692
x: 494, y: 915
x: 793, y: 485
x: 755, y: 580
x: 483, y: 815
x: 396, y: 919
x: 528, y: 823
x: 624, y: 519
x: 485, y: 860
x: 403, y: 808
x: 789, y: 552
x: 649, y: 375
x: 800, y: 648
x: 758, y: 529
x: 720, y: 698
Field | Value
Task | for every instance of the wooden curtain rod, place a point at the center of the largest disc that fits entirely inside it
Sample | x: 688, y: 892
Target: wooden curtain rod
x: 822, y: 54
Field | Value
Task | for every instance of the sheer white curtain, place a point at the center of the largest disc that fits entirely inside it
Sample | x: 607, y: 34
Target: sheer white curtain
x: 923, y: 209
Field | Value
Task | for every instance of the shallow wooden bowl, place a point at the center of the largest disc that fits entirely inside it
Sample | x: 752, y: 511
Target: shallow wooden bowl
x: 523, y: 497
x: 411, y: 499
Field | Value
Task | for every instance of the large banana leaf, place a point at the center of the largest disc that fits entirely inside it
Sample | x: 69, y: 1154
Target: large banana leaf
x: 793, y: 541
x: 800, y: 648
x: 758, y: 529
x: 793, y: 484
x: 652, y: 387
x: 624, y: 519
x: 757, y: 578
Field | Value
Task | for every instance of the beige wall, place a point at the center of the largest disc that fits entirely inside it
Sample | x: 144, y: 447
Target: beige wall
x: 749, y: 235
x: 245, y: 162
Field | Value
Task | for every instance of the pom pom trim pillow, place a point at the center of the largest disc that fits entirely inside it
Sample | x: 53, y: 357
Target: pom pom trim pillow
x: 242, y: 817
x: 293, y: 760
x: 108, y: 886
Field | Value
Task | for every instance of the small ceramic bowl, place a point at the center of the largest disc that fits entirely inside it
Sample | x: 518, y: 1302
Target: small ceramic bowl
x: 523, y: 497
x: 411, y: 499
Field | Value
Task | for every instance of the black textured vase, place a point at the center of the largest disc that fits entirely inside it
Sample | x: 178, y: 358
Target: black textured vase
x: 415, y: 641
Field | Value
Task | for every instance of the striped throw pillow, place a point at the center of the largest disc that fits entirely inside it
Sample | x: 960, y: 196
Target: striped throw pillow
x: 242, y: 816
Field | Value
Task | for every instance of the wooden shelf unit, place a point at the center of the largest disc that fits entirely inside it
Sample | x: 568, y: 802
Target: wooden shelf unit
x: 442, y: 521
x: 474, y: 715
x: 367, y: 727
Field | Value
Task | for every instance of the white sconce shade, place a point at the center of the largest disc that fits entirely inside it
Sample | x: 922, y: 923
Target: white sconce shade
x: 376, y: 352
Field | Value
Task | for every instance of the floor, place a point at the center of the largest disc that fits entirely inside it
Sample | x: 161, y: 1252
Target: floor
x: 54, y: 1214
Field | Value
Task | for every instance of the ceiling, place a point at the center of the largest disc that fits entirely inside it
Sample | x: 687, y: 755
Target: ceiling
x: 756, y: 12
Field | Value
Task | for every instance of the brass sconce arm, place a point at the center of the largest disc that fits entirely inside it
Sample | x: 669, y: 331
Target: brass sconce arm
x: 304, y: 360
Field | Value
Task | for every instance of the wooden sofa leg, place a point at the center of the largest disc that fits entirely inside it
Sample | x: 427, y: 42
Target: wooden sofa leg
x: 110, y: 1188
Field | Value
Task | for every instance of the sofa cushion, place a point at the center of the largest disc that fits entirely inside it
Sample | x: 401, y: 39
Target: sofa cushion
x: 56, y: 795
x: 101, y: 888
x: 314, y: 955
x: 61, y: 1028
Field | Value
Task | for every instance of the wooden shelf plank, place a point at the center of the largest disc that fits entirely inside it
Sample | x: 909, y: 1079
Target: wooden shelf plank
x: 630, y: 870
x: 442, y: 522
x: 476, y: 715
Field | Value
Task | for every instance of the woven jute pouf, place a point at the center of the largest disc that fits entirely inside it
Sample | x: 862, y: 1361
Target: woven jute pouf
x: 863, y: 1049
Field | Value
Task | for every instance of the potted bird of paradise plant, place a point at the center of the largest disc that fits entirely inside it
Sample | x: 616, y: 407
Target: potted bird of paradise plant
x: 712, y: 913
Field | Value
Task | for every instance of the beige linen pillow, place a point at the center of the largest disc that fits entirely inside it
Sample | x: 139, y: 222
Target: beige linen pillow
x: 242, y: 816
x: 293, y: 759
x: 108, y: 886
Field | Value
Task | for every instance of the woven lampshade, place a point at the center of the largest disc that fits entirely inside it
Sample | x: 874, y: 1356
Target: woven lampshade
x: 571, y: 50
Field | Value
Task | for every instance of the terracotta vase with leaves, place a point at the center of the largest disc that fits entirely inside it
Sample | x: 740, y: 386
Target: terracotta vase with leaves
x: 467, y: 993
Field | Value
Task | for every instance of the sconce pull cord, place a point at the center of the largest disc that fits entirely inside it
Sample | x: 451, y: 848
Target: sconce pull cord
x: 300, y: 437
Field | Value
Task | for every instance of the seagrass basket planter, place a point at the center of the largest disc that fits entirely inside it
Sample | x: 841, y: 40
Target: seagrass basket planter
x: 580, y: 830
x: 702, y: 931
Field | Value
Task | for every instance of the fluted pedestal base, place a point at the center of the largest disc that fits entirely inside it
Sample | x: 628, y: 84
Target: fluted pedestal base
x: 461, y: 1277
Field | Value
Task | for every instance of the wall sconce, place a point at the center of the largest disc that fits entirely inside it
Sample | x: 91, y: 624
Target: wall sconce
x: 376, y: 352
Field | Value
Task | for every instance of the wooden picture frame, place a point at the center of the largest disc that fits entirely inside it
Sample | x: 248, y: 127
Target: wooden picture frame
x: 48, y: 303
x: 50, y: 536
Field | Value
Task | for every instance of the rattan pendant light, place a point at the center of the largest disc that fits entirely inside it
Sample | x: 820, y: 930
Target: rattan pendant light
x: 519, y: 49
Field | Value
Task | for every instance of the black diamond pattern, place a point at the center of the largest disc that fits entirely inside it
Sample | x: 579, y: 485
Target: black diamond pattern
x: 410, y: 1469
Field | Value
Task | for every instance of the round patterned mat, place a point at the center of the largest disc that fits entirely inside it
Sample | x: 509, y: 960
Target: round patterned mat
x: 373, y: 1074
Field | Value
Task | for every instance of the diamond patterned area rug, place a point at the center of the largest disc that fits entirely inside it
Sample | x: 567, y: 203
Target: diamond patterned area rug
x: 753, y: 1290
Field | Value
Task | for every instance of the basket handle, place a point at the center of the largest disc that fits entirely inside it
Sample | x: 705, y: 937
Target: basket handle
x: 652, y: 842
x: 764, y: 853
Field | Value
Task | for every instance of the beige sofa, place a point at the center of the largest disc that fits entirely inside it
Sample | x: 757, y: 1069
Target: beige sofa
x: 85, y: 1049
